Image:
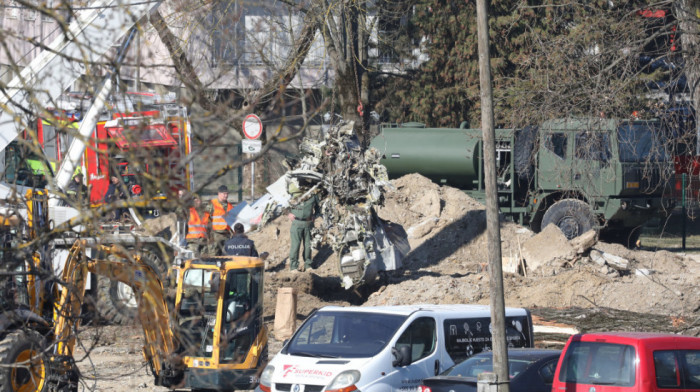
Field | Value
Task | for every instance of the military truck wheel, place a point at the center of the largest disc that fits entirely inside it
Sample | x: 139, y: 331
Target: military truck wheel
x: 116, y: 303
x: 573, y: 217
x: 23, y: 362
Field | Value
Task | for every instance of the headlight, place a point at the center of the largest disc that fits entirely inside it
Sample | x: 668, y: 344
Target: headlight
x: 344, y: 382
x: 266, y: 378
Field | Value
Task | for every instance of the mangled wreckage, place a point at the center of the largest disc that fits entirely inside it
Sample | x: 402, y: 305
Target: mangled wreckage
x: 349, y: 182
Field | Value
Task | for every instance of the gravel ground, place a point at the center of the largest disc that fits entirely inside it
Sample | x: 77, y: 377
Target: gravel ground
x: 447, y: 264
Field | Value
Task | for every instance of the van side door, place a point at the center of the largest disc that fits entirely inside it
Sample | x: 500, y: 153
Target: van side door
x: 466, y: 336
x: 420, y: 337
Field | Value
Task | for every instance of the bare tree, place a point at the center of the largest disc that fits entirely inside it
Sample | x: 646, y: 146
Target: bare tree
x: 687, y: 15
x: 150, y: 153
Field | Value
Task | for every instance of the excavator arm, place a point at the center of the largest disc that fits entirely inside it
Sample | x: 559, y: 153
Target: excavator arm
x: 159, y: 349
x: 67, y: 310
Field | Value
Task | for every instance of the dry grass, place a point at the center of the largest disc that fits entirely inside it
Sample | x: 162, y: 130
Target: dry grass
x: 668, y: 234
x: 671, y: 242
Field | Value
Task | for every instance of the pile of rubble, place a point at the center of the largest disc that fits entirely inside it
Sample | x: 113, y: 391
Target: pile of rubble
x: 448, y: 263
x: 550, y: 251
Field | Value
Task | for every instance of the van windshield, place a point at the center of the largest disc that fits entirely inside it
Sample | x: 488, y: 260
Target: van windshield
x: 344, y: 334
x: 598, y: 364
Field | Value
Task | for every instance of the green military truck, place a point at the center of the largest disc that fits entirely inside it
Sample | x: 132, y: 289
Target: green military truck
x: 577, y: 173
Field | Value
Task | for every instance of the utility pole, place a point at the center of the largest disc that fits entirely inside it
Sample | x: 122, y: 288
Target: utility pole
x: 498, y: 324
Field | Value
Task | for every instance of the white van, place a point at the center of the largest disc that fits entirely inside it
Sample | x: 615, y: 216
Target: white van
x: 385, y: 348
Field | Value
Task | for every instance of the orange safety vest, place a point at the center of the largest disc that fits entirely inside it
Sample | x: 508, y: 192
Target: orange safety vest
x: 218, y: 223
x: 196, y: 226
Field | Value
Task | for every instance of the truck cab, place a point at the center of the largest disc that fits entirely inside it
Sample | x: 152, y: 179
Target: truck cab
x: 600, y: 173
x: 219, y: 315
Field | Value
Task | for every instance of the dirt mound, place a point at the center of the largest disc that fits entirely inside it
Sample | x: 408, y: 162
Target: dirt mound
x: 445, y: 226
x: 449, y: 257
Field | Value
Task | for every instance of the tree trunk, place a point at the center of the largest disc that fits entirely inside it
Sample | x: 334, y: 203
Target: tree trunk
x: 348, y: 52
x: 347, y: 94
x: 183, y: 67
x: 687, y: 16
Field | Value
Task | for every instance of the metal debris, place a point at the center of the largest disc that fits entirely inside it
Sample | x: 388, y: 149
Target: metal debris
x: 350, y: 183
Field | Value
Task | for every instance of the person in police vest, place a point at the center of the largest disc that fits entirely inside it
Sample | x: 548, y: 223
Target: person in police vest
x: 239, y: 244
x: 197, y: 227
x: 220, y: 232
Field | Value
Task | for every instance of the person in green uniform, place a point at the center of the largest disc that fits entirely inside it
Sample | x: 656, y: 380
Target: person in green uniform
x: 302, y: 216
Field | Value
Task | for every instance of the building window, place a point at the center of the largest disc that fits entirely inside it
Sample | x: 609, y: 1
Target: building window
x: 49, y: 6
x: 12, y: 10
x: 226, y: 32
x: 30, y: 13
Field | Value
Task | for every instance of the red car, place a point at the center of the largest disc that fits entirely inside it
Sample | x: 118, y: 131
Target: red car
x: 628, y: 362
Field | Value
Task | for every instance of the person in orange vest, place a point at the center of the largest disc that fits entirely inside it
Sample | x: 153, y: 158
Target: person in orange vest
x: 197, y: 227
x: 220, y: 232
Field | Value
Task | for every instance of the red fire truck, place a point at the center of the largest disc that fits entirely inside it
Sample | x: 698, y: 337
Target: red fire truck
x: 142, y: 137
x: 148, y: 136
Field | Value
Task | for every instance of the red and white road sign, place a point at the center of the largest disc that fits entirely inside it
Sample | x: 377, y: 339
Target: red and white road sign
x: 252, y: 127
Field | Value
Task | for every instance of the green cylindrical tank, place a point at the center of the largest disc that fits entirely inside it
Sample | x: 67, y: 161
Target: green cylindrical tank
x: 445, y: 155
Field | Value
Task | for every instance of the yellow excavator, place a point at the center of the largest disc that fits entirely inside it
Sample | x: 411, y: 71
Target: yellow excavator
x: 213, y: 338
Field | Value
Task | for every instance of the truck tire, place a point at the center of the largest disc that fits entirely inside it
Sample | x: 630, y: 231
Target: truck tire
x: 524, y: 153
x: 573, y: 217
x: 26, y: 349
x: 115, y: 302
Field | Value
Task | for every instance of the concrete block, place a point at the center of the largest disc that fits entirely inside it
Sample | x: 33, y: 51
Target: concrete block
x: 616, y: 262
x: 597, y: 257
x: 609, y: 259
x: 547, y: 245
x: 644, y: 272
x: 511, y: 264
x: 584, y: 242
